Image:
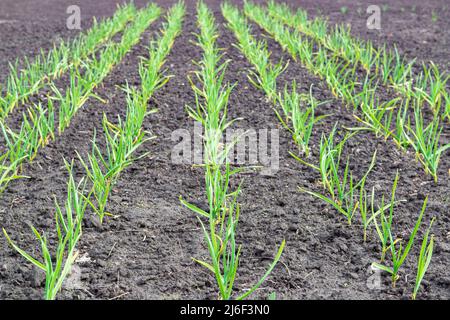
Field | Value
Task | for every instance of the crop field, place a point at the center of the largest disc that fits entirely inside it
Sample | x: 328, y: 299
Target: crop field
x: 281, y: 149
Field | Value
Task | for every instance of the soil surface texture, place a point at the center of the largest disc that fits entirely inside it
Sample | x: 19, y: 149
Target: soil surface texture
x: 145, y: 250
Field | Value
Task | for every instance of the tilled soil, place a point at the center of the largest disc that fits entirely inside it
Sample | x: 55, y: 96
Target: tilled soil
x: 146, y: 250
x: 407, y: 24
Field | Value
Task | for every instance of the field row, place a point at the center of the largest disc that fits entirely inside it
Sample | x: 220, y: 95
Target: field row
x: 123, y: 137
x: 340, y: 189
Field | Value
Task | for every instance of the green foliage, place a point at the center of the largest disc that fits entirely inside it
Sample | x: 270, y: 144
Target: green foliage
x: 224, y: 211
x: 58, y: 264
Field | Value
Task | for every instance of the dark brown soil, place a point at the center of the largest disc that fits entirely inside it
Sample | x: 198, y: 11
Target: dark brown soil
x: 407, y: 24
x: 145, y: 252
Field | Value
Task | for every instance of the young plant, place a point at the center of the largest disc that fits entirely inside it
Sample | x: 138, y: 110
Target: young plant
x: 425, y: 139
x: 77, y: 93
x: 384, y: 229
x: 122, y: 140
x: 221, y: 238
x: 57, y: 265
x: 298, y: 119
x: 8, y: 173
x: 102, y: 179
x: 45, y: 121
x: 376, y: 116
x: 401, y: 73
x: 38, y: 126
x: 434, y: 16
x: 224, y: 211
x: 369, y: 214
x: 367, y: 217
x: 432, y: 88
x: 398, y: 252
x: 426, y: 252
x: 344, y: 10
x: 16, y: 144
x: 341, y: 191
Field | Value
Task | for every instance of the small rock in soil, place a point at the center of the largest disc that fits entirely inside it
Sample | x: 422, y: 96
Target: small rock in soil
x: 37, y: 278
x: 343, y: 246
x: 444, y: 281
x: 101, y: 263
x: 93, y: 222
x: 443, y: 246
x: 259, y: 250
x: 353, y: 275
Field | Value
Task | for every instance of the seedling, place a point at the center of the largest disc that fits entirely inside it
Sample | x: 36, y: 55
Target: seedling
x: 398, y: 252
x: 341, y: 190
x: 426, y: 252
x: 57, y: 265
x: 102, y: 181
x: 383, y: 230
x: 224, y: 211
x: 8, y: 173
x: 367, y: 216
x: 298, y: 118
x: 425, y: 139
x: 434, y: 16
x: 369, y: 213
